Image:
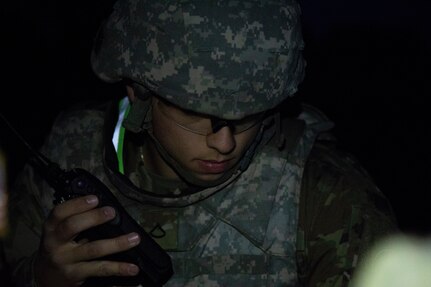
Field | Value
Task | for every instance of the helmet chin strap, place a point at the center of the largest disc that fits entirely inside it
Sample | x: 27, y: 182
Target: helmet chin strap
x: 140, y: 113
x: 188, y: 177
x: 183, y: 173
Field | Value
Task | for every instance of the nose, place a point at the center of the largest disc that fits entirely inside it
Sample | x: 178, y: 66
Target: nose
x: 223, y: 140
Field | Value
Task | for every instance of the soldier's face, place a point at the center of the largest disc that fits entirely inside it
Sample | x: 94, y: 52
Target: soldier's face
x: 206, y: 156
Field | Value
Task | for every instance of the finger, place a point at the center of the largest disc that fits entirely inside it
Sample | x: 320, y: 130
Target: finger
x: 100, y: 248
x: 69, y: 208
x: 73, y: 225
x: 88, y: 269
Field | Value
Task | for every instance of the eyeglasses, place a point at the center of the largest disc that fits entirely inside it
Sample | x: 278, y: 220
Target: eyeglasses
x: 203, y: 124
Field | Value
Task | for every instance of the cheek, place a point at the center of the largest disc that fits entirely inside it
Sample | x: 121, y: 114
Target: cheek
x: 245, y: 138
x: 164, y: 132
x: 179, y: 143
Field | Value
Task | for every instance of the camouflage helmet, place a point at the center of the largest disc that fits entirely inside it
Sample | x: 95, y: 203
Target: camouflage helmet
x: 223, y: 58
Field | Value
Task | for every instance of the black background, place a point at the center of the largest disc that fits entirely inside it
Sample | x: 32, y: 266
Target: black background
x: 368, y: 70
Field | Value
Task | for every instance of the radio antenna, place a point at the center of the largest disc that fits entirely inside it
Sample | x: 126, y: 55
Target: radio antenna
x: 51, y: 170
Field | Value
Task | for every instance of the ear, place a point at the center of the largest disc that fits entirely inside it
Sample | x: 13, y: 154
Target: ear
x: 130, y: 93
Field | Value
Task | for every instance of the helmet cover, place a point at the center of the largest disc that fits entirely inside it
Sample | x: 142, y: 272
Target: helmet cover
x: 227, y: 59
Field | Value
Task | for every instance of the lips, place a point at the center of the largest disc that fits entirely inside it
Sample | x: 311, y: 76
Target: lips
x: 213, y: 166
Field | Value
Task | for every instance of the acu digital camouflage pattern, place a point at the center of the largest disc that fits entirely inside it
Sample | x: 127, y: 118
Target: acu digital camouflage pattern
x: 223, y: 58
x: 244, y: 235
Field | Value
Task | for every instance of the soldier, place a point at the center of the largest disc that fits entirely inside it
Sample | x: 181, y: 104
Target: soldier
x: 204, y: 155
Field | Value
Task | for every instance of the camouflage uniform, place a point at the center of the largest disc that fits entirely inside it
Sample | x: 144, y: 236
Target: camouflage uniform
x: 245, y: 233
x: 287, y: 215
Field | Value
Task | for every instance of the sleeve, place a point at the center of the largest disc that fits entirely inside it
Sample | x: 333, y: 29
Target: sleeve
x: 342, y: 214
x: 72, y: 139
x: 27, y: 214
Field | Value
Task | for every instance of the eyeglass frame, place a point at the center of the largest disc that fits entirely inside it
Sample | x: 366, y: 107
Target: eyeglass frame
x: 216, y: 123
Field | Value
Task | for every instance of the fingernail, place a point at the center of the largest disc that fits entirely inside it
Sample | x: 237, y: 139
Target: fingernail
x: 109, y: 212
x: 133, y: 239
x: 92, y: 199
x: 133, y: 269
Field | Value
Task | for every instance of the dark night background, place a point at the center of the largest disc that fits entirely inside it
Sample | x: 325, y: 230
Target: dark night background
x: 368, y: 70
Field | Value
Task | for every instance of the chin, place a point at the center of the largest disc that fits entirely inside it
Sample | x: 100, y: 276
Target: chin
x: 209, y: 177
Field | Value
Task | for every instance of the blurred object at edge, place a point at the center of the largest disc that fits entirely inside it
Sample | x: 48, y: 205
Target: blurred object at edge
x: 398, y: 261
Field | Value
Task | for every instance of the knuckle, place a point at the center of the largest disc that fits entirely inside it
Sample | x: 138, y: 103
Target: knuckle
x: 68, y: 273
x: 94, y: 250
x: 121, y: 242
x: 48, y: 242
x: 56, y: 259
x: 123, y: 269
x: 56, y: 212
x: 104, y: 270
x: 69, y: 226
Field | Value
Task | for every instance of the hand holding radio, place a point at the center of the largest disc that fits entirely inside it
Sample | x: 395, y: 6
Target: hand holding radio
x: 89, y: 238
x: 63, y: 261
